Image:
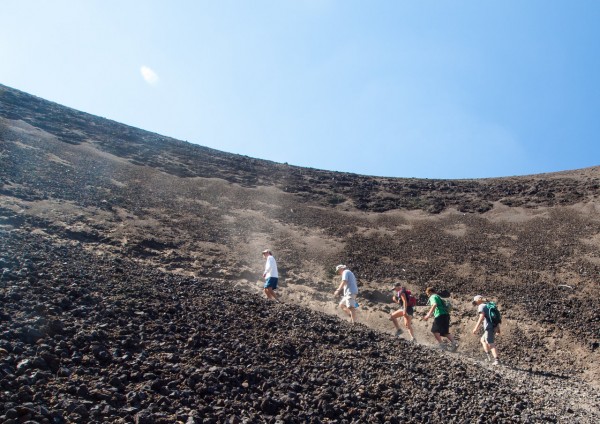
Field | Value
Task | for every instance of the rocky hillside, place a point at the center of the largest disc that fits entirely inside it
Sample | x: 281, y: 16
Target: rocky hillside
x: 129, y: 284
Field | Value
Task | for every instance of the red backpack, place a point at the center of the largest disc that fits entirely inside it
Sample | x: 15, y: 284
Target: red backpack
x: 410, y: 299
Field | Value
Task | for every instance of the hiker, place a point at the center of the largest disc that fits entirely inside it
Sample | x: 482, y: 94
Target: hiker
x: 270, y: 275
x: 402, y: 296
x: 489, y: 329
x: 348, y: 284
x: 441, y: 320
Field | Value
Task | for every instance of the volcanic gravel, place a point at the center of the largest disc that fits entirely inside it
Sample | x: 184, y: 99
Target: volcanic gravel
x: 97, y: 326
x: 92, y: 338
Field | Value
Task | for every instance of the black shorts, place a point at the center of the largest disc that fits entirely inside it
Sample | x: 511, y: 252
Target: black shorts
x: 441, y: 325
x: 489, y: 334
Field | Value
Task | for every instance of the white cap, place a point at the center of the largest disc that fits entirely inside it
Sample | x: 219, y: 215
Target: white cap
x: 477, y: 299
x: 337, y: 268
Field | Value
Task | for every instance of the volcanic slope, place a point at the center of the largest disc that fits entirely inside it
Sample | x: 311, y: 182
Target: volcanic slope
x: 129, y: 277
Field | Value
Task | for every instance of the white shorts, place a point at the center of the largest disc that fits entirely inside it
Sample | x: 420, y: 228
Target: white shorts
x: 349, y: 301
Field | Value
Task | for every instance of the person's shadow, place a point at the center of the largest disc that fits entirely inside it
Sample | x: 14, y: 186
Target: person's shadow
x: 541, y: 373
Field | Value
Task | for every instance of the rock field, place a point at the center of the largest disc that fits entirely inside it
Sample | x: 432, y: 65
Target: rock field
x: 129, y: 267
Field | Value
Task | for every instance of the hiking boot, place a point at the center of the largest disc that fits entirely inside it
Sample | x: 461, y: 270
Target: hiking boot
x: 398, y: 332
x: 442, y: 346
x: 488, y: 357
x: 453, y: 347
x: 496, y: 363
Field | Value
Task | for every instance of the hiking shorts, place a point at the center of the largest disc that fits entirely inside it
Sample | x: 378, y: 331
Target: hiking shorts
x: 271, y: 283
x: 441, y: 324
x: 349, y: 301
x: 489, y: 335
x: 410, y: 311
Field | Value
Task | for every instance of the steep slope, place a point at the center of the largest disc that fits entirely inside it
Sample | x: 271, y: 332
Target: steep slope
x: 200, y: 216
x: 96, y: 338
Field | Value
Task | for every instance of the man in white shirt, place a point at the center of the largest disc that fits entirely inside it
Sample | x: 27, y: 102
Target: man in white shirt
x: 348, y: 284
x: 270, y: 275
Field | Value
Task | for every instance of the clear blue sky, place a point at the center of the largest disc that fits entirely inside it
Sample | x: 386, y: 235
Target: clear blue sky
x: 428, y: 89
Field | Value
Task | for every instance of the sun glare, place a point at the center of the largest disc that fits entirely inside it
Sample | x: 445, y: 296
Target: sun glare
x: 149, y: 75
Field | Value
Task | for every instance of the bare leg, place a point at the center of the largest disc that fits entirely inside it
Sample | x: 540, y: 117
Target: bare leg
x: 493, y: 350
x: 394, y: 318
x: 351, y: 312
x: 484, y: 344
x: 408, y: 325
x: 353, y: 315
x: 270, y: 294
x: 489, y: 347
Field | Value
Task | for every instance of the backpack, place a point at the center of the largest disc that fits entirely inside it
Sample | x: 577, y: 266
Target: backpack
x: 447, y: 304
x: 494, y: 316
x: 410, y: 299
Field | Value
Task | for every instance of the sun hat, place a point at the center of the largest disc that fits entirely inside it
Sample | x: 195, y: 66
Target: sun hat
x: 337, y: 268
x: 477, y: 299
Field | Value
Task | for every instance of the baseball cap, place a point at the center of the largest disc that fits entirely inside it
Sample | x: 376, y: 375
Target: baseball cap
x: 266, y: 251
x: 337, y: 268
x: 477, y: 299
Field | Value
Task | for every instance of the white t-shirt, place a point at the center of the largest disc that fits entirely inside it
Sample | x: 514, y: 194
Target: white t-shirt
x: 271, y: 268
x: 350, y: 287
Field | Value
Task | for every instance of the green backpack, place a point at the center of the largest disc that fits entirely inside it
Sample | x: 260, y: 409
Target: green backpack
x: 447, y: 304
x: 493, y: 315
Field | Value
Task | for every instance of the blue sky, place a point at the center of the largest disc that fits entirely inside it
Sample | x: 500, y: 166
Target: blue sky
x: 426, y: 89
